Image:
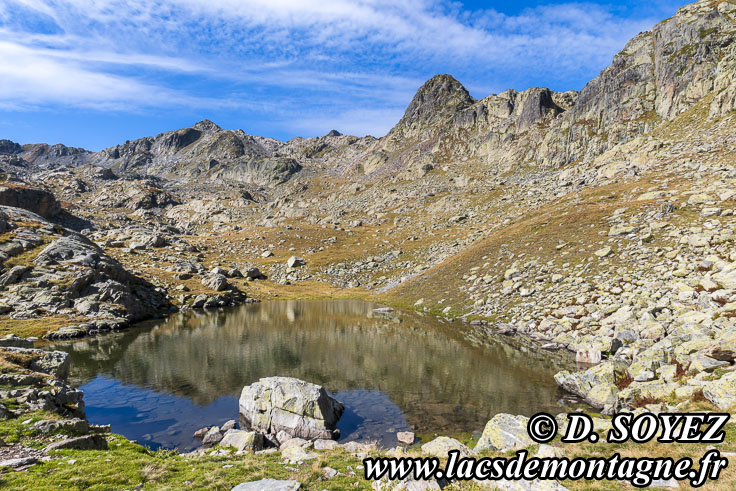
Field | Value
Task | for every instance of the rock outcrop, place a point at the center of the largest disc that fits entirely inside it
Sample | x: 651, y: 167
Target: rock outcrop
x: 30, y: 198
x: 63, y: 272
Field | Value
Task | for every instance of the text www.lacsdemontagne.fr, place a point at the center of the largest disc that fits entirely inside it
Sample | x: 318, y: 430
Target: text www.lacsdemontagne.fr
x: 640, y: 472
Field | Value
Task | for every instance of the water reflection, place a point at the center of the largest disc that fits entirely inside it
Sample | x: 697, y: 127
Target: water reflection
x: 392, y: 372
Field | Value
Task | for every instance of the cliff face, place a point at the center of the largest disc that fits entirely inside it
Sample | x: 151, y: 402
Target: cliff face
x: 657, y: 76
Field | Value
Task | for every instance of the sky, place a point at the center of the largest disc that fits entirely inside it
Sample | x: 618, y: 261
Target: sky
x: 95, y: 73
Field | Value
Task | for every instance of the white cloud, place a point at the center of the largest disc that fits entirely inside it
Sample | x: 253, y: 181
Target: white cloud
x: 129, y: 54
x: 38, y: 76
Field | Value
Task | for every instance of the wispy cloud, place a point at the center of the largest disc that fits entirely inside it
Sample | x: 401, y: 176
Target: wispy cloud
x: 356, y: 61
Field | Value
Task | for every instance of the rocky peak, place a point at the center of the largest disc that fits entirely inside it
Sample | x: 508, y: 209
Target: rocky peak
x: 8, y: 147
x: 536, y: 105
x: 51, y: 156
x: 440, y: 98
x: 207, y: 126
x: 334, y: 133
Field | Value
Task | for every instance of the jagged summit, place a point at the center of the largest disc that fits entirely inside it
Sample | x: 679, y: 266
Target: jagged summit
x: 334, y: 133
x: 440, y: 97
x: 9, y: 147
x: 207, y: 126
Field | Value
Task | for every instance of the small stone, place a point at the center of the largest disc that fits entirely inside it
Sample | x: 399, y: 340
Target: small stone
x: 268, y: 485
x: 212, y: 437
x: 325, y: 444
x: 590, y: 356
x: 406, y: 437
x: 200, y: 433
x: 604, y: 252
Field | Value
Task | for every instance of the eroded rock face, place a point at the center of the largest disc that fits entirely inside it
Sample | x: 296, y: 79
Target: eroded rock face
x: 301, y: 409
x: 32, y: 199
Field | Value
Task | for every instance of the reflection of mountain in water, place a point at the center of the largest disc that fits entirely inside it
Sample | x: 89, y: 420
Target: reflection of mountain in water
x: 427, y: 367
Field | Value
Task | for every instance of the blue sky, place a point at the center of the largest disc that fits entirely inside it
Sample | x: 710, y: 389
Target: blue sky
x: 94, y: 73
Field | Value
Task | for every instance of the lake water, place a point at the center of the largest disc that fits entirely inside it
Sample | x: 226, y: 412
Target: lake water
x: 159, y: 382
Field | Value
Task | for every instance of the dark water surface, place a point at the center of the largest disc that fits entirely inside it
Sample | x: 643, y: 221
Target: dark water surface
x: 159, y: 382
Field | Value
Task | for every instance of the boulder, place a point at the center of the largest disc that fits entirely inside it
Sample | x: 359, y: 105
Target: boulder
x: 296, y: 442
x: 212, y: 437
x: 296, y: 454
x: 19, y: 462
x: 440, y: 446
x: 13, y: 275
x: 75, y: 425
x: 254, y: 274
x: 295, y: 262
x: 87, y: 442
x: 521, y: 485
x: 325, y: 444
x: 722, y: 392
x: 597, y: 385
x: 243, y: 441
x: 604, y: 252
x: 200, y: 433
x: 702, y: 363
x: 407, y: 484
x: 216, y: 282
x: 297, y: 407
x: 505, y: 432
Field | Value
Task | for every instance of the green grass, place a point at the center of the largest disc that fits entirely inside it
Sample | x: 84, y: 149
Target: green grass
x: 127, y: 465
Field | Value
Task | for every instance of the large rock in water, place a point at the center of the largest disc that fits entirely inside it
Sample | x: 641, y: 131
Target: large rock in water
x: 299, y: 408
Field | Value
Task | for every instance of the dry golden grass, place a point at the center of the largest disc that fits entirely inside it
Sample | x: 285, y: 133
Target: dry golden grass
x: 33, y: 327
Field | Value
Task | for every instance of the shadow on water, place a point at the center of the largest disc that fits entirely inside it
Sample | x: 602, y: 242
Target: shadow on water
x: 161, y: 381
